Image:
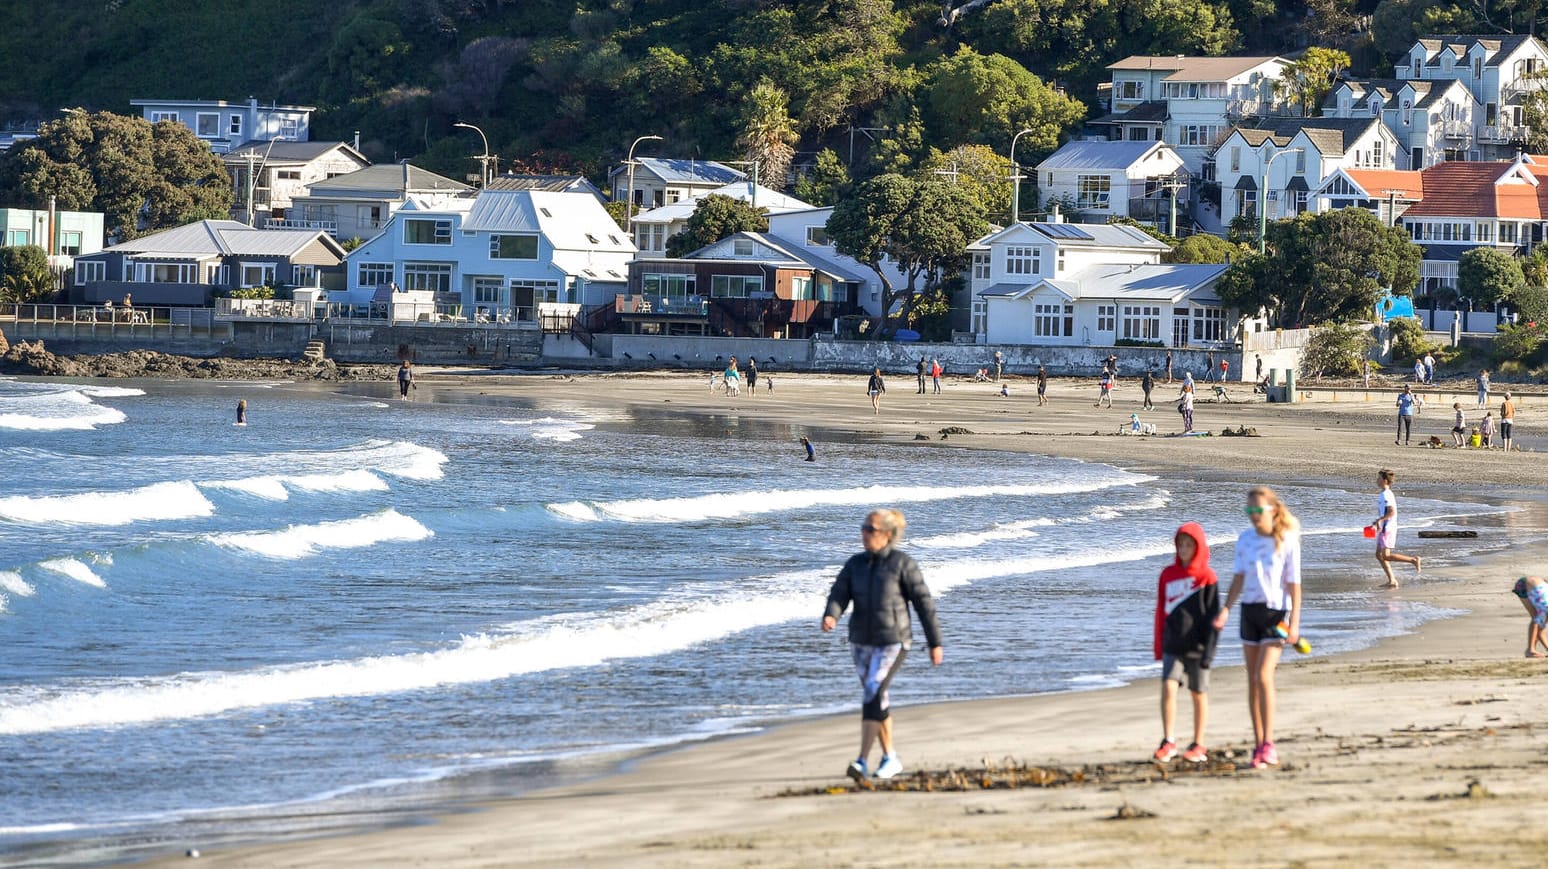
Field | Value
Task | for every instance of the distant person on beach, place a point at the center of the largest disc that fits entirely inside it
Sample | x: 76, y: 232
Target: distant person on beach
x: 1266, y: 578
x: 1147, y: 384
x: 1168, y: 366
x: 1187, y: 603
x: 242, y: 412
x: 1407, y: 403
x: 1225, y: 370
x: 1386, y: 529
x: 1366, y: 367
x: 1419, y: 370
x: 923, y: 366
x: 1486, y: 429
x: 811, y: 454
x: 1209, y: 366
x: 1112, y: 365
x: 935, y: 374
x: 1105, y: 385
x: 1042, y: 386
x: 875, y: 387
x: 1459, y: 425
x: 1005, y: 390
x: 1483, y: 389
x: 1429, y: 368
x: 999, y: 365
x: 752, y: 376
x: 1258, y: 362
x: 405, y: 379
x: 882, y: 583
x: 1185, y: 406
x: 733, y: 377
x: 1507, y: 420
x: 1533, y: 591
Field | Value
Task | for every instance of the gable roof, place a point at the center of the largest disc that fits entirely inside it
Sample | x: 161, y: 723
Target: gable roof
x: 1086, y: 235
x: 671, y: 169
x: 1099, y: 155
x: 208, y: 238
x: 771, y: 201
x: 791, y: 253
x: 1150, y: 62
x: 290, y: 152
x: 1217, y: 68
x: 1464, y: 189
x: 1333, y: 137
x: 1496, y: 47
x: 1380, y: 182
x: 398, y: 178
x: 569, y: 220
x: 1169, y: 282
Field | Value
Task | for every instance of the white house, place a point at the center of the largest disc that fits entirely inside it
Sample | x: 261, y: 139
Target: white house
x: 652, y: 228
x: 1322, y: 144
x: 224, y: 125
x: 508, y: 254
x: 358, y: 205
x: 1101, y: 180
x: 1145, y: 305
x: 1026, y: 253
x: 1499, y: 71
x: 662, y: 181
x: 1432, y: 120
x: 267, y: 176
x: 808, y: 230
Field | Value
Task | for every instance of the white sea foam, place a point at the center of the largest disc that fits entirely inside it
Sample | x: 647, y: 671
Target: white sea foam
x: 74, y: 569
x: 300, y: 541
x: 67, y: 410
x: 157, y: 502
x: 277, y: 487
x: 580, y: 640
x: 968, y: 539
x: 12, y: 582
x: 727, y: 505
x: 575, y: 511
x: 551, y: 428
x: 110, y: 391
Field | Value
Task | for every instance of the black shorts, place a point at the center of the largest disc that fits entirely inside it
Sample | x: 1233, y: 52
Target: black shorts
x: 1504, y: 428
x: 1258, y: 623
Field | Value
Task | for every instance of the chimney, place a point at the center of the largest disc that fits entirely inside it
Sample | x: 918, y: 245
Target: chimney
x: 357, y: 140
x: 1055, y: 216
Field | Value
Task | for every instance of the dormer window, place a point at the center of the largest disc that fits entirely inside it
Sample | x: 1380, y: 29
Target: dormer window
x: 742, y: 247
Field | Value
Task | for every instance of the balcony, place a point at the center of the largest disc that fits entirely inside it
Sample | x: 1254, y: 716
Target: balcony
x: 1522, y: 87
x: 1456, y: 129
x: 1503, y: 133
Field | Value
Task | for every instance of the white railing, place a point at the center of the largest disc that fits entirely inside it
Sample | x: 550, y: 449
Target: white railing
x: 1452, y: 129
x: 329, y: 226
x: 1503, y: 133
x: 1522, y: 87
x: 29, y: 321
x: 264, y: 309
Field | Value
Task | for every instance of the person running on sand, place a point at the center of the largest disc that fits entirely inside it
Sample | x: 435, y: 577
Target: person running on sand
x: 405, y: 379
x: 881, y: 582
x: 1507, y: 420
x: 1105, y: 385
x: 1533, y: 591
x: 1386, y: 529
x: 1187, y: 602
x: 1407, y: 403
x: 1042, y: 386
x: 1459, y: 426
x: 1266, y: 578
x: 875, y: 387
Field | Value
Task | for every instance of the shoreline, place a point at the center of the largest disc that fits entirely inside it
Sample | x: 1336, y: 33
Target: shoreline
x: 660, y: 770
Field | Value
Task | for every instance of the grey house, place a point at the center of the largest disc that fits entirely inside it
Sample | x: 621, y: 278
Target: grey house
x: 186, y: 265
x: 359, y: 204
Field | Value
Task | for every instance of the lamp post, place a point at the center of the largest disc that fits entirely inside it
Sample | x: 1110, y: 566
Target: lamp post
x: 629, y: 209
x: 1263, y: 197
x: 483, y: 159
x: 1015, y: 180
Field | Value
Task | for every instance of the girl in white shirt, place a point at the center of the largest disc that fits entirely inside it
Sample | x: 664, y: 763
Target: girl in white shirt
x: 1267, y: 580
x: 1386, y: 530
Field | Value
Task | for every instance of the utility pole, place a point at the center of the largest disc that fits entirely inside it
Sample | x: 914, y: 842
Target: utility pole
x: 753, y: 164
x: 1015, y: 179
x: 1392, y: 196
x: 1263, y: 197
x: 484, y: 158
x: 629, y: 209
x: 1171, y: 185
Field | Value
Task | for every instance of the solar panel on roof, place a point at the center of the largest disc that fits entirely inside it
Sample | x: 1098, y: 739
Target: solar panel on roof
x: 1064, y: 230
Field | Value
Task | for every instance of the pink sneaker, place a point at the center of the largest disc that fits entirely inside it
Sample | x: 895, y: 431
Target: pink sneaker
x: 1257, y: 758
x: 1196, y: 754
x: 1165, y: 751
x: 1270, y: 757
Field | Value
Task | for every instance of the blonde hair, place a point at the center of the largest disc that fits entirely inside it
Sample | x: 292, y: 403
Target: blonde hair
x: 1386, y: 476
x: 1285, y: 523
x: 891, y: 520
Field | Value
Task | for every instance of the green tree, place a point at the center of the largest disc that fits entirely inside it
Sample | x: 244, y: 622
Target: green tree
x: 1397, y: 24
x: 1323, y: 268
x: 986, y: 99
x: 367, y: 56
x: 619, y: 211
x: 826, y: 182
x: 979, y: 171
x: 1408, y: 341
x: 1534, y: 112
x: 1531, y: 303
x: 768, y: 135
x: 714, y: 218
x: 1204, y: 248
x: 142, y: 177
x: 24, y: 274
x: 922, y: 226
x: 1336, y: 350
x: 1308, y: 79
x: 1489, y: 276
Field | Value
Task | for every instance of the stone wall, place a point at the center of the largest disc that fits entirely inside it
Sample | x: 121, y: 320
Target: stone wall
x: 429, y: 344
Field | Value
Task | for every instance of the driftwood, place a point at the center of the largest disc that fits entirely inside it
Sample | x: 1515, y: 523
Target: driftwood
x: 1464, y: 535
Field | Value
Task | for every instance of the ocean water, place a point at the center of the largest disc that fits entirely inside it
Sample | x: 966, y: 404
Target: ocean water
x: 352, y: 598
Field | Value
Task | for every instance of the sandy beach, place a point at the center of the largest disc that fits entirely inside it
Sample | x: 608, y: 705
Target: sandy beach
x: 1423, y: 748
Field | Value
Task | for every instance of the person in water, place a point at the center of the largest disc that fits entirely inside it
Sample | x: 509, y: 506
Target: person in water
x: 1386, y: 529
x: 881, y: 582
x: 405, y: 379
x: 811, y: 454
x: 242, y: 412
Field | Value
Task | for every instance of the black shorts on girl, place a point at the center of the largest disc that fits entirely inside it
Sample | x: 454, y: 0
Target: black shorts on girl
x: 1258, y: 624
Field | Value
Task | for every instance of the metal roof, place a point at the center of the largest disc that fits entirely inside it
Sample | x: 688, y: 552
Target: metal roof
x: 1167, y: 282
x: 1099, y: 155
x: 685, y: 171
x: 208, y: 238
x: 396, y: 178
x: 289, y: 152
x: 570, y: 220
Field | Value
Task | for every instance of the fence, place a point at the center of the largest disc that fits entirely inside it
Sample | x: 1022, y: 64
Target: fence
x: 1473, y: 322
x: 109, y: 323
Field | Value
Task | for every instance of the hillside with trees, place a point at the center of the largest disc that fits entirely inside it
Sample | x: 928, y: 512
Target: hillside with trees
x: 564, y: 86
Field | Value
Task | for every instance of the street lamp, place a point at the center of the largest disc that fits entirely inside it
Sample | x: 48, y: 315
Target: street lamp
x: 1015, y: 180
x: 1263, y: 197
x: 483, y: 159
x: 629, y: 209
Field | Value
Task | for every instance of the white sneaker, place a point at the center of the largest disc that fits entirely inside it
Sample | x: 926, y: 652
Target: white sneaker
x: 890, y: 766
x: 857, y: 770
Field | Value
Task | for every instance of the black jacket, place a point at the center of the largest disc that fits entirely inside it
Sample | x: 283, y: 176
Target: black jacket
x: 882, y: 586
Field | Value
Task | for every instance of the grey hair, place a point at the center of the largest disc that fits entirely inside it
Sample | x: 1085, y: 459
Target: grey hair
x: 891, y: 520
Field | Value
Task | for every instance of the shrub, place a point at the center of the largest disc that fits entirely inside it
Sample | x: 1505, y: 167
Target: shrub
x: 1408, y: 341
x: 1135, y: 342
x: 1517, y: 344
x: 1531, y: 303
x: 1336, y: 351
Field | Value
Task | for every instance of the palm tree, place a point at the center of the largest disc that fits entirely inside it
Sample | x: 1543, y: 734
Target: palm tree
x: 768, y: 134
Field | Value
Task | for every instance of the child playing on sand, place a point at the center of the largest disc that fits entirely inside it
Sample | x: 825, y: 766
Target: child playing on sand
x: 1459, y: 427
x: 1533, y: 592
x: 1486, y: 429
x: 1266, y: 577
x: 1187, y: 603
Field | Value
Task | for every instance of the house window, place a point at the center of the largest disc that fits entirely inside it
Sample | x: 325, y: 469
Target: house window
x: 1131, y: 90
x: 289, y: 174
x: 70, y: 243
x: 489, y: 291
x: 158, y: 117
x: 290, y: 128
x: 1139, y: 134
x: 801, y: 289
x: 541, y: 291
x: 1378, y: 154
x: 676, y: 287
x: 90, y: 271
x: 513, y: 247
x: 374, y: 274
x: 1483, y: 231
x: 1300, y: 162
x: 235, y: 129
x: 1477, y: 67
x: 1247, y: 203
x: 1106, y: 314
x: 17, y: 238
x: 831, y: 292
x: 368, y: 216
x: 420, y: 231
x: 1022, y: 261
x: 303, y: 275
x: 435, y: 277
x: 741, y: 247
x: 980, y: 267
x: 817, y: 236
x: 165, y: 273
x: 1060, y: 268
x: 650, y: 236
x: 1092, y: 191
x: 1208, y: 324
x: 257, y: 274
x: 207, y: 125
x: 1053, y: 321
x: 735, y: 286
x: 1300, y: 201
x: 217, y: 274
x: 1508, y: 233
x: 1142, y: 322
x: 1236, y: 158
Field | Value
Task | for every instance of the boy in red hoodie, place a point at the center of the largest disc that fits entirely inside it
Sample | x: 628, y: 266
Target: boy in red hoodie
x: 1187, y: 601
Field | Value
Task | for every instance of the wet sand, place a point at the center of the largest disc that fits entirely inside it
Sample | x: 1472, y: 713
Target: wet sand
x: 1423, y: 748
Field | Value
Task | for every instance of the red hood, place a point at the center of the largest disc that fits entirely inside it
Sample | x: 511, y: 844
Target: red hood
x: 1199, y: 568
